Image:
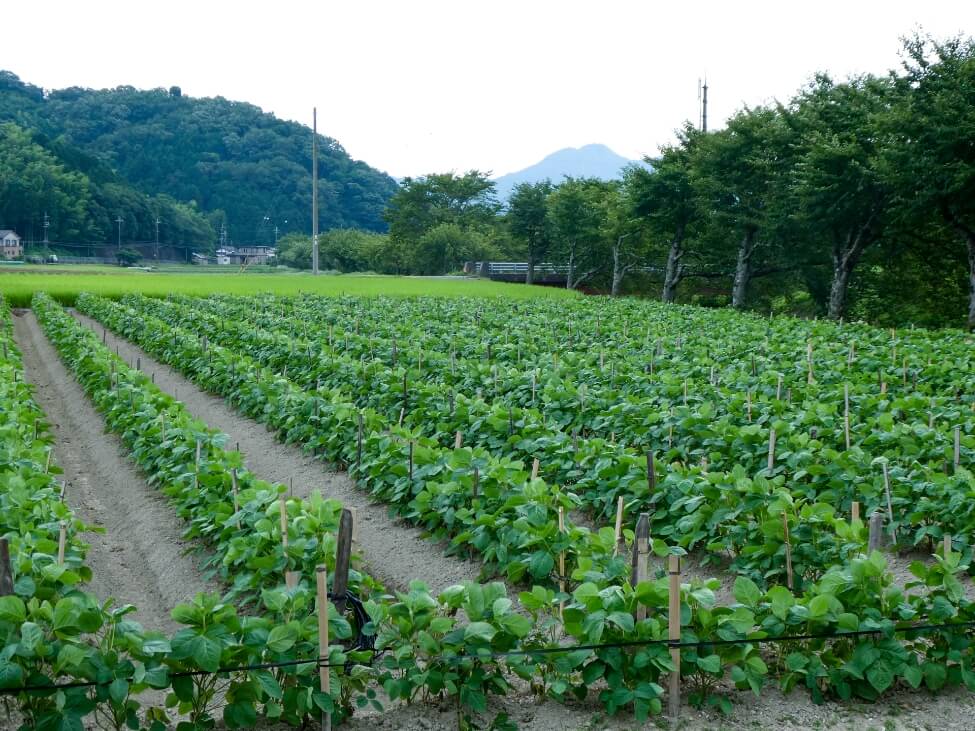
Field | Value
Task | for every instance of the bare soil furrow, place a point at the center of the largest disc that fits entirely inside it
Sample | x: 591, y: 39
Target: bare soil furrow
x: 393, y: 552
x: 141, y: 558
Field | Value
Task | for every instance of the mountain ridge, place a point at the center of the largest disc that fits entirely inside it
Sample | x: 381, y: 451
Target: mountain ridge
x: 594, y: 160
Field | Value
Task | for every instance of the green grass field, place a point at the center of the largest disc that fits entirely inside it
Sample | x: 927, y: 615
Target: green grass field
x: 66, y: 281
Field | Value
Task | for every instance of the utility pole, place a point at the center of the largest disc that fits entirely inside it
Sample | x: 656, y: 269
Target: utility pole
x: 275, y: 236
x: 47, y: 222
x: 119, y: 247
x: 314, y: 190
x: 704, y: 107
x: 157, y: 238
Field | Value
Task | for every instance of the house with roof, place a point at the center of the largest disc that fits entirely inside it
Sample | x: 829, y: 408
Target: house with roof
x: 10, y: 244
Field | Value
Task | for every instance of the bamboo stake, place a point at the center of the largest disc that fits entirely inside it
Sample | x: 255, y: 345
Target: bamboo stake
x: 673, y: 570
x: 324, y: 672
x: 640, y: 568
x: 411, y: 462
x: 535, y: 466
x: 62, y: 539
x: 957, y: 460
x: 778, y: 389
x: 788, y: 551
x: 233, y: 487
x: 854, y: 511
x: 619, y: 546
x: 458, y: 439
x: 358, y: 443
x: 748, y: 401
x: 846, y: 413
x: 771, y: 450
x: 561, y: 560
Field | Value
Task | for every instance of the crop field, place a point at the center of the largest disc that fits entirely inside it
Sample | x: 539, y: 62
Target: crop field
x: 565, y: 512
x: 64, y: 283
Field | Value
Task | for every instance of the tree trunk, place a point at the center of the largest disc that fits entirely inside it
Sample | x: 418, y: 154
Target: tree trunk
x: 617, y: 272
x: 569, y: 284
x: 837, y: 290
x: 619, y: 269
x: 743, y: 270
x: 846, y: 254
x: 674, y: 271
x: 530, y: 274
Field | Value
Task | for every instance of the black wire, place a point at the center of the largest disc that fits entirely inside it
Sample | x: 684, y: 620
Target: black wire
x: 672, y: 644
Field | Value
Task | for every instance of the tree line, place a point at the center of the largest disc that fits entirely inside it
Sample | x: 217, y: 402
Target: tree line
x: 854, y: 198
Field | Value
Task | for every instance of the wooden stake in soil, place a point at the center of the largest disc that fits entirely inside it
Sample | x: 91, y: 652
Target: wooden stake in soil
x: 324, y: 672
x: 946, y: 545
x: 358, y: 443
x: 846, y: 413
x: 619, y: 546
x: 875, y: 539
x: 957, y: 460
x: 890, y: 507
x: 778, y: 389
x: 788, y: 551
x: 6, y: 574
x: 343, y: 557
x: 651, y: 474
x: 62, y: 539
x: 673, y: 700
x: 458, y: 439
x: 771, y: 450
x: 854, y: 511
x: 290, y: 577
x: 233, y: 487
x: 748, y: 401
x: 411, y: 462
x: 561, y: 560
x: 535, y: 466
x: 640, y: 568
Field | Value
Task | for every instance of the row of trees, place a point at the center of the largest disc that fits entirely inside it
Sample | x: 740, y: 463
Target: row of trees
x: 852, y: 198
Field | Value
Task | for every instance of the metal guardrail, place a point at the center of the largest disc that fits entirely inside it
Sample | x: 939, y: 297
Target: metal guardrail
x: 487, y: 268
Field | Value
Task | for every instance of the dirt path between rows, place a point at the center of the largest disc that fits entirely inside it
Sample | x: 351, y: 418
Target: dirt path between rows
x: 392, y: 551
x: 141, y: 558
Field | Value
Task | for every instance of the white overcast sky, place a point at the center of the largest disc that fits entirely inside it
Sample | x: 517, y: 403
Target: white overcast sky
x: 418, y: 86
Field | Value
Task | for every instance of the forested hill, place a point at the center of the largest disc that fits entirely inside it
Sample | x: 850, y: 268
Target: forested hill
x: 231, y: 161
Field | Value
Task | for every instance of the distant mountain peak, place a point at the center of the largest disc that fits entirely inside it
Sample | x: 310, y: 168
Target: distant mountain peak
x: 594, y: 160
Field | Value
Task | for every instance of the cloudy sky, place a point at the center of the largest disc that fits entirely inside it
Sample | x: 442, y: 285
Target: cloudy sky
x: 426, y: 86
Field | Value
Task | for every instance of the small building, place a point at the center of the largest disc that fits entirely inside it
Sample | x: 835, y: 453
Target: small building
x: 253, y: 254
x: 10, y: 244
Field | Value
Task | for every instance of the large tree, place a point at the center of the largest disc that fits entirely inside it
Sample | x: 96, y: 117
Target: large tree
x: 738, y: 172
x: 663, y: 196
x: 529, y: 222
x: 465, y: 203
x: 841, y: 192
x: 935, y: 160
x: 577, y: 209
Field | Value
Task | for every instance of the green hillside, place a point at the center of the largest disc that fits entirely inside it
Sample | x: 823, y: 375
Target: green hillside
x: 224, y: 161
